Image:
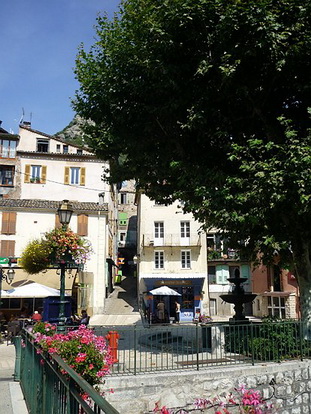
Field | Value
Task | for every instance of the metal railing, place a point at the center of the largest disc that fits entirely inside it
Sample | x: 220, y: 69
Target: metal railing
x: 179, y: 347
x: 47, y: 391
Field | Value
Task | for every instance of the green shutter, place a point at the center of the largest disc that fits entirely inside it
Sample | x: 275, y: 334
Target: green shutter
x: 222, y: 274
x: 246, y: 272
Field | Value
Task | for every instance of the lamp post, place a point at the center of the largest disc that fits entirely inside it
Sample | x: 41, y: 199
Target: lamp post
x: 8, y: 277
x: 64, y: 213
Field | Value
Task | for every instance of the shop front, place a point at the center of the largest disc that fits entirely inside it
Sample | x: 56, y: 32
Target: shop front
x: 189, y: 296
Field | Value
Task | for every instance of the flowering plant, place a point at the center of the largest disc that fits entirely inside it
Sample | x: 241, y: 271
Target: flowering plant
x: 81, y: 349
x: 246, y: 401
x: 205, y: 319
x: 55, y: 246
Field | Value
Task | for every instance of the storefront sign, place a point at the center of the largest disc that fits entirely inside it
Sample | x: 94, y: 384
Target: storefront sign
x: 172, y: 282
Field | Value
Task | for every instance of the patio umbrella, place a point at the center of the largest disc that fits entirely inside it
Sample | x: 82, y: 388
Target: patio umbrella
x: 164, y: 291
x: 32, y: 290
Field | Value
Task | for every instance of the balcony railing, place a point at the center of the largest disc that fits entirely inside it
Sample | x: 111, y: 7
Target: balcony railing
x: 225, y: 254
x: 171, y: 240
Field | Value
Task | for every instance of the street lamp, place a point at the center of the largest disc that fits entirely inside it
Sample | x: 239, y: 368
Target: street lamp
x: 64, y: 214
x: 8, y: 276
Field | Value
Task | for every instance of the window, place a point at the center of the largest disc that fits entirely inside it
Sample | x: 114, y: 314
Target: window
x: 213, y: 307
x: 35, y: 174
x: 212, y: 275
x: 65, y: 149
x: 74, y: 176
x: 57, y: 147
x: 7, y: 248
x: 185, y: 259
x: 159, y: 229
x: 8, y: 222
x: 277, y: 279
x: 185, y: 229
x: 79, y: 151
x: 8, y: 148
x: 6, y: 175
x: 82, y: 225
x: 159, y: 259
x: 42, y: 145
x: 276, y: 306
x: 123, y: 198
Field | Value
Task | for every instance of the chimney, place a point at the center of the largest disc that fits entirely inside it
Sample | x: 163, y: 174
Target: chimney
x: 26, y: 124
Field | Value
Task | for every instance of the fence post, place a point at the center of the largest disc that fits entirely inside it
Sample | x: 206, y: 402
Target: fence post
x: 18, y: 348
x: 197, y: 344
x: 301, y: 331
x: 252, y: 340
x: 135, y: 350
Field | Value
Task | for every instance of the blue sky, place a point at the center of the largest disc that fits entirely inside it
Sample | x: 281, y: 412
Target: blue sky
x: 39, y: 41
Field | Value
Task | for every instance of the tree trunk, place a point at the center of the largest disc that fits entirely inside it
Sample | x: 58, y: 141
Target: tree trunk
x: 301, y: 254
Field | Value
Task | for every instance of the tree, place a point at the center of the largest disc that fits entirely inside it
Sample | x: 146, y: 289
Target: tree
x: 207, y: 101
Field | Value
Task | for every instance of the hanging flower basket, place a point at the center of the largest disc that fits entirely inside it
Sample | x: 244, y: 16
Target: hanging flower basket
x: 57, y: 246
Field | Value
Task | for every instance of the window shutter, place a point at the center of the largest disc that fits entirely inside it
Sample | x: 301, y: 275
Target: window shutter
x: 246, y: 272
x: 222, y: 274
x: 43, y: 174
x: 82, y: 225
x: 7, y: 248
x: 66, y: 178
x: 8, y: 222
x: 82, y: 176
x: 27, y: 173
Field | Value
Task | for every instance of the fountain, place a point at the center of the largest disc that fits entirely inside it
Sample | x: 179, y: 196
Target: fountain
x: 238, y: 297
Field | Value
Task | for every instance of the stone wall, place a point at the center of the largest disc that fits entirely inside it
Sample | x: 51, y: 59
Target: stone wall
x: 290, y: 382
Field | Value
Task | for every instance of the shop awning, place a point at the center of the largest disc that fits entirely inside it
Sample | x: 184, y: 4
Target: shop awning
x: 173, y: 276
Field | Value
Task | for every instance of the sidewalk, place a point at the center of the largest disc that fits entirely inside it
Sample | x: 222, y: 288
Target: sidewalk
x: 11, y: 396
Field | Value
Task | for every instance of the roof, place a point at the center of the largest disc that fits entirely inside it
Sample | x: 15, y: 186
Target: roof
x: 10, y: 203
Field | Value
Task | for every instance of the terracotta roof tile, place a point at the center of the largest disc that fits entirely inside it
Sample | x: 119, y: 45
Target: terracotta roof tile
x: 6, y: 203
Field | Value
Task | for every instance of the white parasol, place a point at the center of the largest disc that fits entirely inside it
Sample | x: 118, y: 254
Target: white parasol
x: 164, y: 291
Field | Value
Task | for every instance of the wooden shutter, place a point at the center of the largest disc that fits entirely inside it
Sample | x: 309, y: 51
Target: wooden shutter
x: 43, y: 174
x: 222, y: 274
x: 66, y: 178
x: 82, y: 225
x: 8, y: 222
x: 27, y: 173
x: 7, y: 248
x: 82, y: 176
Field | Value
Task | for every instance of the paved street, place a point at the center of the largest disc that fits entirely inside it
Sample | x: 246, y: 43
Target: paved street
x: 121, y: 306
x: 11, y: 401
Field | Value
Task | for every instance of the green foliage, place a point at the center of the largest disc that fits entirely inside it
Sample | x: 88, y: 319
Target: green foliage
x: 208, y: 102
x: 272, y: 340
x: 55, y: 246
x: 35, y: 257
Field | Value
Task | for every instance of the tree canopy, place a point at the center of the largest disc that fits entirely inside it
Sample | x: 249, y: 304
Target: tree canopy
x: 207, y: 101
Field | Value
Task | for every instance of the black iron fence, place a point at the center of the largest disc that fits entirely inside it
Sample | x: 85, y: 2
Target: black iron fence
x: 177, y: 347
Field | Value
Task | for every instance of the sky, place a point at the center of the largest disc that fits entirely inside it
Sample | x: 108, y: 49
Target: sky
x: 39, y: 41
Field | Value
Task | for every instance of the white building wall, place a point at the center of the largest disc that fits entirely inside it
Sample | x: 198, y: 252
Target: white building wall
x: 172, y: 215
x: 55, y: 188
x: 28, y: 142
